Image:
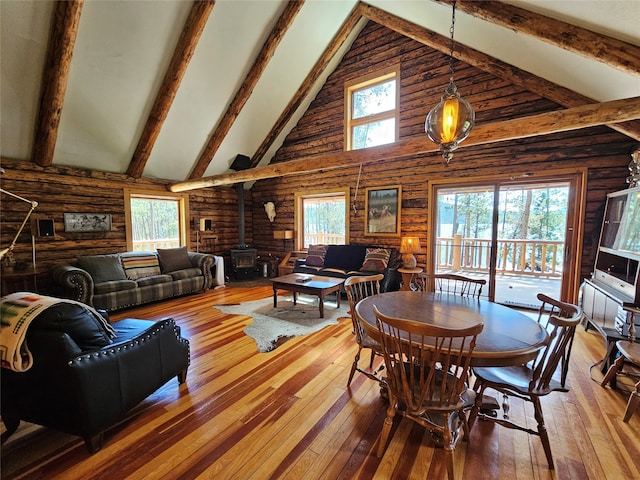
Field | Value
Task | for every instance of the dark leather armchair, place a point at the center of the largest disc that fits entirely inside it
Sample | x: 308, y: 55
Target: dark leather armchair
x: 84, y: 391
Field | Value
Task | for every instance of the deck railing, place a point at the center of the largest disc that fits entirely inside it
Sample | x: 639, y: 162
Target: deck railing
x: 322, y: 238
x: 153, y: 245
x: 522, y: 257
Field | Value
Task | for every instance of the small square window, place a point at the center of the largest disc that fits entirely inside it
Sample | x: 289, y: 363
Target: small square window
x: 372, y: 110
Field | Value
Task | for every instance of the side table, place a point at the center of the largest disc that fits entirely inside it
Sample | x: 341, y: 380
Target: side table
x: 408, y: 277
x: 17, y: 280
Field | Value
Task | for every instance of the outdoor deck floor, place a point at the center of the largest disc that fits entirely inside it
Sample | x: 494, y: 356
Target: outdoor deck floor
x: 520, y: 290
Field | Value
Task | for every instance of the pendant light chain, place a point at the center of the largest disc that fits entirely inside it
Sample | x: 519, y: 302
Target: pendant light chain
x: 453, y: 42
x: 451, y: 121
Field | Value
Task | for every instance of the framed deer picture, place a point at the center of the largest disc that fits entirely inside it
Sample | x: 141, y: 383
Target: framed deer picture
x: 383, y: 211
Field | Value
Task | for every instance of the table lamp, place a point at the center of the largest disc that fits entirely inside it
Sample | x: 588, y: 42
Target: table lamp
x: 408, y: 247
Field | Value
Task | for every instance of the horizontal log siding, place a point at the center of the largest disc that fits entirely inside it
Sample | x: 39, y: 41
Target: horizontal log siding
x: 60, y: 190
x: 424, y: 75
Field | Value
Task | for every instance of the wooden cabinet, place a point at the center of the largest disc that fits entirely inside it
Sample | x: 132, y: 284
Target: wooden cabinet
x: 601, y: 306
x: 616, y: 277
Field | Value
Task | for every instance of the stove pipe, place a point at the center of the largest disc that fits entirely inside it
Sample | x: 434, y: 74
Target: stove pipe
x: 241, y: 224
x: 241, y: 162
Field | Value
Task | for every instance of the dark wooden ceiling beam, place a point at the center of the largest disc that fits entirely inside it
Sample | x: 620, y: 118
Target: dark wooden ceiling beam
x: 244, y: 92
x: 185, y: 48
x: 62, y: 38
x: 594, y: 46
x: 336, y: 42
x: 549, y: 90
x: 542, y: 124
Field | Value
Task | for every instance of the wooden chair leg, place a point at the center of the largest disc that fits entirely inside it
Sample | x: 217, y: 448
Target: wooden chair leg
x: 182, y: 376
x: 448, y: 455
x: 386, y: 428
x: 473, y: 414
x: 373, y: 355
x: 354, y: 366
x: 632, y: 404
x: 542, y: 431
x: 610, y: 376
x: 447, y: 440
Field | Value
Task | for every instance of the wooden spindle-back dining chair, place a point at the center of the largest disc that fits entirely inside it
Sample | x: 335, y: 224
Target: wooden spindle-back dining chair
x: 452, y: 284
x: 421, y: 360
x: 629, y: 354
x: 359, y: 287
x: 546, y: 374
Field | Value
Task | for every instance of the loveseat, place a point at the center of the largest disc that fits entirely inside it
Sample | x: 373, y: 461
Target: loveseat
x: 123, y: 280
x: 343, y: 261
x: 87, y: 374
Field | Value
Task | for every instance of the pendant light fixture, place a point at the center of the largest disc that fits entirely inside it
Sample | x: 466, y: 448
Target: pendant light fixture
x: 451, y: 121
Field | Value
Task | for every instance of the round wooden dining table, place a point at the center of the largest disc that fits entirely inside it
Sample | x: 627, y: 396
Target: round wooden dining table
x: 509, y: 337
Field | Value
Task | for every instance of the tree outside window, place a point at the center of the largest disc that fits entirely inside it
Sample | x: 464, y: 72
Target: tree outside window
x: 322, y: 219
x: 372, y: 110
x: 155, y: 221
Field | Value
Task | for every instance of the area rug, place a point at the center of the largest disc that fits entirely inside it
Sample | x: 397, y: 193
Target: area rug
x: 273, y: 326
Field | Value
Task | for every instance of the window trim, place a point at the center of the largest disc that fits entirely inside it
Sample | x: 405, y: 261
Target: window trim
x: 298, y: 218
x: 183, y: 208
x: 366, y: 81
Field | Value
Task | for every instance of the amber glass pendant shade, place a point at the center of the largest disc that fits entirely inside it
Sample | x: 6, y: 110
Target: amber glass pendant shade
x: 450, y: 122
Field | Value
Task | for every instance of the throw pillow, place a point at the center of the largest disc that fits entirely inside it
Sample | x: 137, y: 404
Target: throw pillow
x: 376, y: 260
x: 102, y: 268
x: 315, y: 255
x: 140, y: 264
x: 76, y: 321
x: 172, y: 259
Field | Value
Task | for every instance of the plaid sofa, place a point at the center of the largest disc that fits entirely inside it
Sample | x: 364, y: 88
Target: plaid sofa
x: 122, y: 280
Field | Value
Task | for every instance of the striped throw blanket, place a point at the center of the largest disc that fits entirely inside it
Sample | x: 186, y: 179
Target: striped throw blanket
x: 17, y: 311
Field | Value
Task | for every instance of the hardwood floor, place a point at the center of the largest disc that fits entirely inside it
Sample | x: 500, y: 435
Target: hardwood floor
x: 288, y: 414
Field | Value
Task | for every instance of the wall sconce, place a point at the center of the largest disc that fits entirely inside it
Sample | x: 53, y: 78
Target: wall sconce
x: 283, y: 235
x: 205, y: 225
x: 408, y: 247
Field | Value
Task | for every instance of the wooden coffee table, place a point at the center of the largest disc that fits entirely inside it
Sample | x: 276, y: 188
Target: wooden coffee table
x: 309, y: 284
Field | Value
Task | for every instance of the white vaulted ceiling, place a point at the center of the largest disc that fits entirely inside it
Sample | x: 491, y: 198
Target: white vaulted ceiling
x: 123, y: 49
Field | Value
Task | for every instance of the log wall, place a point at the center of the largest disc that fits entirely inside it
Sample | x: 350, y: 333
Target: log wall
x: 424, y: 75
x: 60, y: 190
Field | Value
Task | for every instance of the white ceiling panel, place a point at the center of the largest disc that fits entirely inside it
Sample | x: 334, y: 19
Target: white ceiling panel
x: 123, y: 50
x: 24, y: 32
x: 120, y: 56
x: 229, y: 44
x: 317, y: 23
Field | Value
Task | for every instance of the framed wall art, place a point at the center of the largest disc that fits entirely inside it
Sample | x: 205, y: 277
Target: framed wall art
x: 87, y: 222
x: 382, y: 205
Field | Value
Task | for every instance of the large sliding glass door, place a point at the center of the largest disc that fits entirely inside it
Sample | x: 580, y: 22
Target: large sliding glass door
x: 464, y: 229
x: 518, y: 235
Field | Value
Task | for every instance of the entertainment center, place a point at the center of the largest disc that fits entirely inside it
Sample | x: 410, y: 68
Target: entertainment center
x: 615, y: 280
